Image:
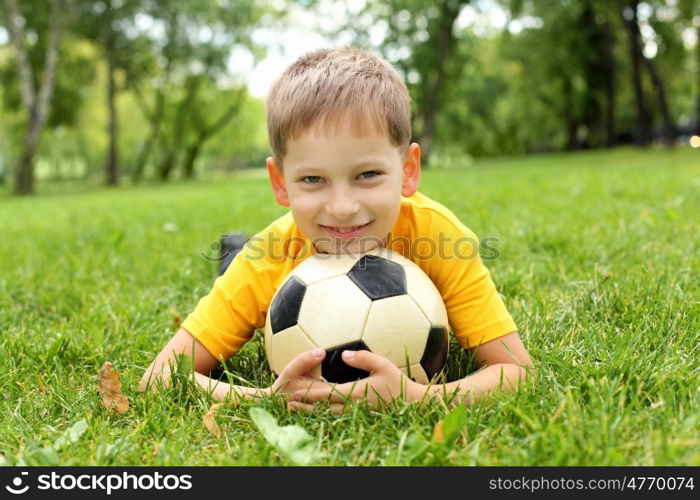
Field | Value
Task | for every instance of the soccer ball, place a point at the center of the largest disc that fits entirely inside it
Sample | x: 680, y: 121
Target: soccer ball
x: 378, y: 301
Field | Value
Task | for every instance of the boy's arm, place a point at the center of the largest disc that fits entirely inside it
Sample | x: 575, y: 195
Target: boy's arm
x: 506, y: 363
x: 157, y: 374
x: 296, y: 376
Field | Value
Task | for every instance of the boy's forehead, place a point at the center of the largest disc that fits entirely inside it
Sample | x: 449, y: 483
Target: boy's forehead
x: 318, y: 149
x: 345, y: 137
x: 355, y: 123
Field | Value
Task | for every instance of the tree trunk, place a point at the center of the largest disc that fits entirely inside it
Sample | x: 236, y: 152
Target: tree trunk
x: 36, y: 105
x: 669, y: 127
x: 448, y: 14
x: 112, y: 166
x: 629, y: 9
x: 24, y: 175
x: 190, y: 158
x: 569, y: 115
x: 697, y: 90
x: 174, y: 146
x: 207, y: 132
x: 154, y: 118
x: 144, y: 153
x: 609, y: 57
x: 594, y: 74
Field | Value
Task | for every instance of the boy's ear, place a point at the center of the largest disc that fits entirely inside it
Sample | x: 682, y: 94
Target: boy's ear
x: 277, y: 182
x: 411, y: 170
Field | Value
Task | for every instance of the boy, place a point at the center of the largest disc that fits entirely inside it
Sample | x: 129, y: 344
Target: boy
x: 339, y: 129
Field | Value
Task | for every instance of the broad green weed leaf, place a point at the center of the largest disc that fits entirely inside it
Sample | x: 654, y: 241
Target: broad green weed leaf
x: 453, y: 424
x: 411, y: 450
x: 291, y: 441
x: 415, y: 447
x: 71, y: 435
x: 44, y: 457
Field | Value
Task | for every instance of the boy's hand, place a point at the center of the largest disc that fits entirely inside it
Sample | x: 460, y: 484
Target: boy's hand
x: 385, y: 383
x: 296, y: 376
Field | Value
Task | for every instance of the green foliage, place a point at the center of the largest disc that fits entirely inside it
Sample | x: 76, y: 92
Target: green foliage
x: 539, y: 84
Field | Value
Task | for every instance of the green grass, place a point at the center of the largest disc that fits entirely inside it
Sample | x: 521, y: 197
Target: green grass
x: 598, y: 265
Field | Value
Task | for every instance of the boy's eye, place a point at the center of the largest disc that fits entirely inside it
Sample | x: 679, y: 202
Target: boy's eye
x: 311, y: 179
x: 369, y: 174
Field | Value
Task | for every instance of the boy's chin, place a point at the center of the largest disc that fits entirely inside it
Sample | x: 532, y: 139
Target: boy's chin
x: 351, y: 247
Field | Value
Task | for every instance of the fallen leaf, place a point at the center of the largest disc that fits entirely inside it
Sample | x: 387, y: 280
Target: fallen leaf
x: 437, y: 432
x: 291, y: 441
x: 177, y: 319
x: 111, y: 390
x: 41, y: 383
x: 210, y: 420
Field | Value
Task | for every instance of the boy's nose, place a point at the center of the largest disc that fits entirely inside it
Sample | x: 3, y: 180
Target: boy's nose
x: 341, y: 206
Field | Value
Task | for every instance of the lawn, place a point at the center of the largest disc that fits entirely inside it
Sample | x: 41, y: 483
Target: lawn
x: 598, y: 262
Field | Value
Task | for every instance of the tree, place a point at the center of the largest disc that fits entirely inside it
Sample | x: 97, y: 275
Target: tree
x: 204, y: 129
x: 420, y: 40
x: 689, y: 13
x: 437, y: 49
x: 628, y: 12
x: 110, y: 25
x: 36, y: 102
x: 193, y: 53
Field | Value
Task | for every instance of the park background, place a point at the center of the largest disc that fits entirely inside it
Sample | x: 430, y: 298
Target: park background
x: 132, y: 135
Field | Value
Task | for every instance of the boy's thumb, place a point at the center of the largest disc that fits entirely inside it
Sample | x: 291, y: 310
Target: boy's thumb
x: 305, y: 362
x: 365, y: 360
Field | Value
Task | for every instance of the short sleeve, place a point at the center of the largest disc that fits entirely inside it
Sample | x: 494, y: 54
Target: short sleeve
x: 228, y: 315
x: 475, y: 309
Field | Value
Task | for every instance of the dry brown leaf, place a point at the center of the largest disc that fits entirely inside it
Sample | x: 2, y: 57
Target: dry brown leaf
x: 41, y: 383
x: 111, y: 390
x: 177, y: 320
x: 437, y: 432
x: 210, y: 420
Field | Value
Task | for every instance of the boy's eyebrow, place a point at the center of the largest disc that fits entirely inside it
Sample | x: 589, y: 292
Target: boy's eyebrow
x: 364, y: 163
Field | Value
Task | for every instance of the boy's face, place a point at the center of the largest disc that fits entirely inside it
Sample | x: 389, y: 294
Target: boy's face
x: 345, y: 190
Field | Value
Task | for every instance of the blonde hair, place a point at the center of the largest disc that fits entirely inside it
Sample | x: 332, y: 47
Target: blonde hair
x: 325, y: 88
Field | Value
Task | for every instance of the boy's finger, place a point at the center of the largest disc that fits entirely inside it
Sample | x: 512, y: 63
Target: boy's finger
x: 299, y: 406
x: 365, y: 360
x: 310, y: 408
x: 339, y: 408
x: 304, y: 363
x: 319, y: 394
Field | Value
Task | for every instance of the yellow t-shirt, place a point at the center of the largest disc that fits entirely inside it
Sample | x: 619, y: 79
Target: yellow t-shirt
x: 425, y: 232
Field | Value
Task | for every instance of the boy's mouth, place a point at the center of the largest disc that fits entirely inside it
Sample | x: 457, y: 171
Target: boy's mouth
x: 345, y: 231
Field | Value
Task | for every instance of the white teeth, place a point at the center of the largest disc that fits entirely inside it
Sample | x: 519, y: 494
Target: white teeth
x: 344, y: 230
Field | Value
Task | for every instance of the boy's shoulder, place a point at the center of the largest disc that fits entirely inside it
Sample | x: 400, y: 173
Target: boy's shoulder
x: 421, y: 215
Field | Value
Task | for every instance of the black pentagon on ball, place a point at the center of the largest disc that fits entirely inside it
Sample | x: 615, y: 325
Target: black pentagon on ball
x: 335, y: 370
x: 435, y: 354
x: 378, y: 277
x: 284, y: 310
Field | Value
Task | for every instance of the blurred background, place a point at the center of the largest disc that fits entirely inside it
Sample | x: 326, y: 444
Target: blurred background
x: 121, y: 92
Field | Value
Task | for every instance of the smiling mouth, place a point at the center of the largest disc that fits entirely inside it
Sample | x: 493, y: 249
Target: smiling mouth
x: 345, y: 231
